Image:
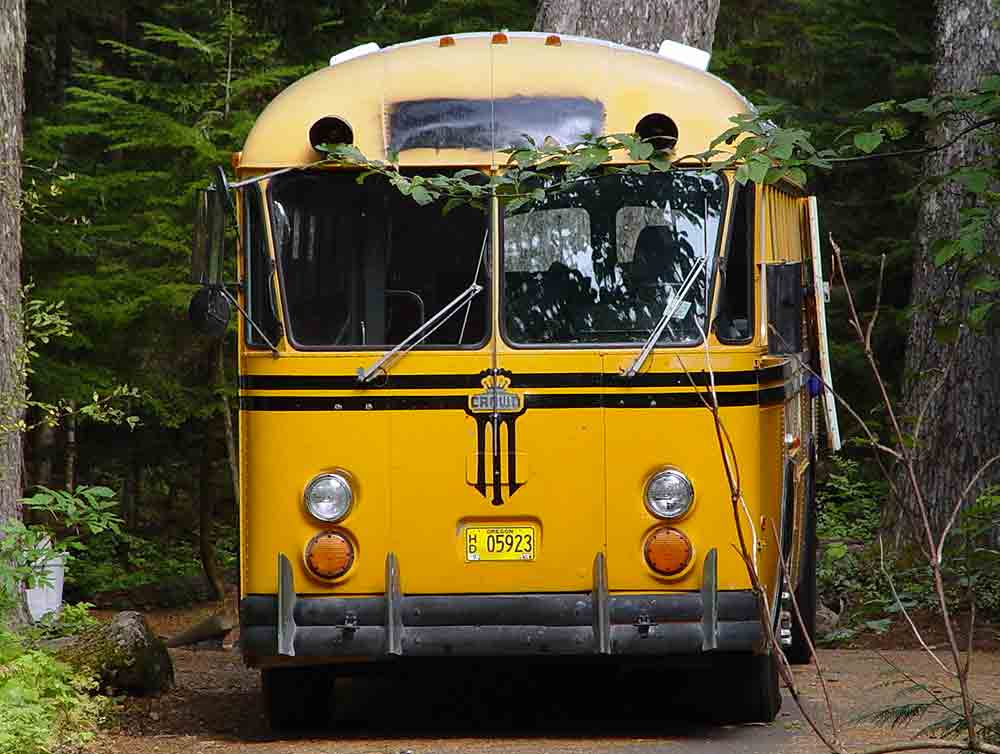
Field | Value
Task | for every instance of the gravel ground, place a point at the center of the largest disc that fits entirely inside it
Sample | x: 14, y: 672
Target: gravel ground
x: 554, y: 709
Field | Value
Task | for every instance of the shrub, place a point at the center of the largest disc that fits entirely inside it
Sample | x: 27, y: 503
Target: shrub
x: 45, y: 706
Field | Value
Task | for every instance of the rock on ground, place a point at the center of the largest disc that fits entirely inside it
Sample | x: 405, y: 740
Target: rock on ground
x: 124, y: 655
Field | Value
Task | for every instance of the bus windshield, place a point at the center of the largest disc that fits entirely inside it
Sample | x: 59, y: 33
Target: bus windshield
x: 363, y: 266
x: 602, y: 260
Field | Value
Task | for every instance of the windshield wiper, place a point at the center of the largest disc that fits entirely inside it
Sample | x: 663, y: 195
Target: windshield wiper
x: 421, y: 333
x: 672, y: 306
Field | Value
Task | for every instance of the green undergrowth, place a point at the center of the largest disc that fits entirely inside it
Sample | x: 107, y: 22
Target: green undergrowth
x: 853, y: 565
x: 142, y: 571
x: 45, y: 706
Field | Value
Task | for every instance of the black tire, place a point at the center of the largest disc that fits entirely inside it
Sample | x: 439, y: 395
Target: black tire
x: 298, y: 698
x: 746, y: 691
x: 805, y: 594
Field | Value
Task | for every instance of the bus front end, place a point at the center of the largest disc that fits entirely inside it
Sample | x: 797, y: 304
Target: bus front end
x: 556, y: 430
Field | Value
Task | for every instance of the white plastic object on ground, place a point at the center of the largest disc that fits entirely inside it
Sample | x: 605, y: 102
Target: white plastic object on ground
x: 45, y: 599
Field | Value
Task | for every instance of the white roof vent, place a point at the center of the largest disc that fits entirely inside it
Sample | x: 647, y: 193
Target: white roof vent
x: 691, y: 56
x: 354, y: 52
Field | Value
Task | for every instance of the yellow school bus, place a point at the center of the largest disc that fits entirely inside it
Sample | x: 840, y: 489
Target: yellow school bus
x: 484, y: 433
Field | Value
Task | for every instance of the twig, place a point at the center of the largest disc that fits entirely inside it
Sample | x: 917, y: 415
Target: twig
x: 925, y: 687
x: 961, y: 498
x: 921, y: 505
x: 786, y: 569
x: 905, y: 612
x: 878, y: 303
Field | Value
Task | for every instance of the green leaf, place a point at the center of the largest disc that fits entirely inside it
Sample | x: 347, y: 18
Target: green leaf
x: 421, y: 195
x: 986, y: 283
x: 944, y: 251
x: 975, y: 181
x: 921, y: 105
x: 868, y: 141
x: 880, y: 107
x: 774, y: 175
x: 879, y: 626
x: 798, y: 175
x: 757, y: 168
x: 979, y: 313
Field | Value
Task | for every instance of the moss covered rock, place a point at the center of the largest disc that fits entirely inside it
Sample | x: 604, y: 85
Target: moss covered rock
x: 124, y: 654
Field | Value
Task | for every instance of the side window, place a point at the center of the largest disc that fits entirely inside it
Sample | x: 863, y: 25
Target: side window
x: 734, y: 321
x: 261, y: 301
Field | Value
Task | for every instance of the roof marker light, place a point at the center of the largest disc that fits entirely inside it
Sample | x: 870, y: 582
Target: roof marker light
x: 553, y: 40
x: 499, y: 38
x: 446, y: 42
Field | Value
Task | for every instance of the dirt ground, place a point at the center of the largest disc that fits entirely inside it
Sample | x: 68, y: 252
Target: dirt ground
x: 474, y: 708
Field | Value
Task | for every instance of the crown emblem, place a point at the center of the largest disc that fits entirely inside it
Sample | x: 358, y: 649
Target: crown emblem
x: 495, y: 397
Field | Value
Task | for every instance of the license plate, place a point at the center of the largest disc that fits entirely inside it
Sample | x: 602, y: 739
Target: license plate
x: 500, y: 543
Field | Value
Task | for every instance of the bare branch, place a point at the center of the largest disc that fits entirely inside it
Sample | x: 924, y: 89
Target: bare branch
x: 878, y: 303
x: 961, y: 498
x: 785, y: 570
x: 906, y: 613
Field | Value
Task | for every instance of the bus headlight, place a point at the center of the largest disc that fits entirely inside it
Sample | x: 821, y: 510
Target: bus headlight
x: 669, y: 494
x: 329, y: 497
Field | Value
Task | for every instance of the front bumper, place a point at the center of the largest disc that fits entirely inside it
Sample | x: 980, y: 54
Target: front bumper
x: 593, y: 623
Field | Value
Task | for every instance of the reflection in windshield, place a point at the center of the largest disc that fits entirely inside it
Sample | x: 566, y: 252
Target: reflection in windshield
x: 363, y: 265
x: 600, y: 261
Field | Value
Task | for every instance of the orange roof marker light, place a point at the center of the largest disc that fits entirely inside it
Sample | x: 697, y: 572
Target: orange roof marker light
x: 553, y: 40
x: 446, y: 42
x: 499, y: 38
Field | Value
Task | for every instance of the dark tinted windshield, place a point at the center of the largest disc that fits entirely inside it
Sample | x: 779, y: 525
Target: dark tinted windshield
x: 363, y: 265
x: 601, y: 261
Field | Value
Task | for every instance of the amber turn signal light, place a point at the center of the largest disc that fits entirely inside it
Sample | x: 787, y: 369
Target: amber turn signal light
x: 329, y: 555
x: 668, y: 551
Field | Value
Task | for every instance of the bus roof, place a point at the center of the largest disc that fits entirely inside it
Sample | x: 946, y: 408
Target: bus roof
x: 459, y: 99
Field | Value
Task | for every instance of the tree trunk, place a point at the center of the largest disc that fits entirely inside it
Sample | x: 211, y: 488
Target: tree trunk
x: 70, y: 474
x: 227, y: 422
x: 636, y: 23
x: 12, y: 36
x: 961, y: 428
x: 206, y: 506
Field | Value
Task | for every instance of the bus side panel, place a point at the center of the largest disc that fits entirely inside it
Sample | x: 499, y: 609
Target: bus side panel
x: 283, y: 451
x: 771, y: 480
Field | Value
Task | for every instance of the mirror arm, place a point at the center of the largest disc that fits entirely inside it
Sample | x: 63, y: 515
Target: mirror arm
x: 249, y: 319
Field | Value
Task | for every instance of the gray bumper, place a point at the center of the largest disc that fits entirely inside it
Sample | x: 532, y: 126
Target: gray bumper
x: 555, y: 624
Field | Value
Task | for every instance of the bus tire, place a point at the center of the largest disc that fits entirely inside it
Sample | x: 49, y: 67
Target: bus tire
x: 750, y: 691
x: 805, y: 593
x: 298, y: 698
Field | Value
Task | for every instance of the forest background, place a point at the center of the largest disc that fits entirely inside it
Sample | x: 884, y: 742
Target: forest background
x: 129, y: 105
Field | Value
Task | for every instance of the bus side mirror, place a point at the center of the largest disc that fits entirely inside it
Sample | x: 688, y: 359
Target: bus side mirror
x: 784, y: 308
x: 208, y: 248
x: 209, y: 312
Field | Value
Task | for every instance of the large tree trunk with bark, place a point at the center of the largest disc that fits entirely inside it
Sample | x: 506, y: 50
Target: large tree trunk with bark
x: 636, y: 23
x: 12, y: 32
x: 955, y: 386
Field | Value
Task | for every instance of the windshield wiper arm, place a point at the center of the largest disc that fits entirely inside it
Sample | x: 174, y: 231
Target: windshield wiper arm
x: 421, y: 333
x: 672, y: 306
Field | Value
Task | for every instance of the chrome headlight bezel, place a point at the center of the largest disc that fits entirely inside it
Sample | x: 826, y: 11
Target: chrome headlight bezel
x: 343, y: 483
x: 679, y: 512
